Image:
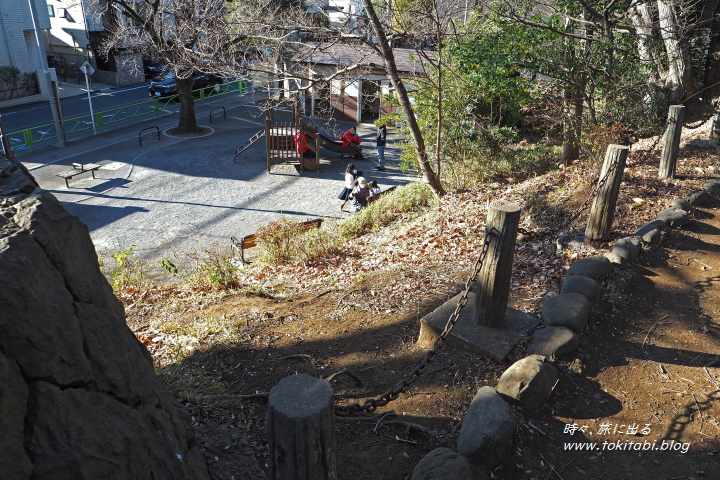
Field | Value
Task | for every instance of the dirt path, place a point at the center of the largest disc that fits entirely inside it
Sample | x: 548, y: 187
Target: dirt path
x: 650, y: 373
x: 645, y: 371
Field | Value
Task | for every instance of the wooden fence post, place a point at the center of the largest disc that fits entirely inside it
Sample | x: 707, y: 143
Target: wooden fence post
x: 715, y: 130
x: 493, y: 281
x: 300, y: 429
x: 671, y: 141
x: 602, y: 212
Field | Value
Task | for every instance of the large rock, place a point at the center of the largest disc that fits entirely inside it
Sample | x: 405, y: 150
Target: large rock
x: 700, y: 197
x: 673, y: 217
x: 570, y: 310
x: 628, y: 248
x: 443, y: 464
x: 596, y: 267
x: 553, y: 341
x: 584, y: 286
x: 487, y: 430
x: 651, y: 232
x: 712, y: 187
x: 78, y: 395
x: 528, y: 381
x: 681, y: 204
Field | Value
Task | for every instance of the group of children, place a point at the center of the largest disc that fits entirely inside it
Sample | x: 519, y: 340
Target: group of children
x: 357, y: 190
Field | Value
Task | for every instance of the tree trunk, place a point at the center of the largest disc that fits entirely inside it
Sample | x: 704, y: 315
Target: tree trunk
x: 188, y: 122
x: 711, y: 83
x: 679, y: 78
x: 641, y: 17
x: 430, y: 177
x: 572, y: 124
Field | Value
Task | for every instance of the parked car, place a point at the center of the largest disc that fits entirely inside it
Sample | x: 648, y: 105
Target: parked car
x: 167, y: 85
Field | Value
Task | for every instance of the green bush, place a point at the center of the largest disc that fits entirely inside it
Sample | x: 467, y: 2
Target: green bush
x: 128, y: 269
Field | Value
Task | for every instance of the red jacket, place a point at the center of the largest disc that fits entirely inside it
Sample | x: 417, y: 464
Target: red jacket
x: 301, y: 146
x: 350, y: 139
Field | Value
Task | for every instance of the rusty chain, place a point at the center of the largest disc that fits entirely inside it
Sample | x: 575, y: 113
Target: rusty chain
x: 372, y: 404
x: 699, y: 124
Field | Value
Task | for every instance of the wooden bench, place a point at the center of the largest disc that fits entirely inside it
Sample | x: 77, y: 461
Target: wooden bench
x: 375, y: 197
x: 77, y: 170
x: 249, y: 241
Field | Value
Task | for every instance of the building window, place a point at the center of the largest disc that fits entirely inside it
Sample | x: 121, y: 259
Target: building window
x: 63, y: 13
x: 51, y: 11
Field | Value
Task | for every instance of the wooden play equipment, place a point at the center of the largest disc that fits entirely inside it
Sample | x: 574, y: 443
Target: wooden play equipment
x: 281, y: 146
x: 280, y: 141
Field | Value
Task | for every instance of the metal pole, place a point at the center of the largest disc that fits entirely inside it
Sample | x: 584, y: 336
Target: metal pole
x: 54, y: 101
x: 92, y: 115
x: 7, y: 149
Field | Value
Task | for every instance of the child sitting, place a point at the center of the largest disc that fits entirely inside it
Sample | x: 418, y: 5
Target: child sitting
x: 359, y: 195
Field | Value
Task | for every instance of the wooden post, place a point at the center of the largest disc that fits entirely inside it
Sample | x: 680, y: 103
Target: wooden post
x: 671, y: 141
x: 300, y: 429
x: 493, y: 281
x: 715, y: 130
x: 602, y: 212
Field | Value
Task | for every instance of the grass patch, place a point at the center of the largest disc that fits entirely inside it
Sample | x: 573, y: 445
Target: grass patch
x: 284, y: 240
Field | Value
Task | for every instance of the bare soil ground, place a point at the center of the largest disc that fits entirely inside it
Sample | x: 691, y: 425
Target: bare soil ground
x: 647, y: 370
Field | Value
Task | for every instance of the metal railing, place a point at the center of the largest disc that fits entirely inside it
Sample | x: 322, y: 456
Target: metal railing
x: 28, y: 137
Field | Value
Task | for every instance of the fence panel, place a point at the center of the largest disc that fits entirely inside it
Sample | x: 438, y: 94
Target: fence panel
x: 25, y: 139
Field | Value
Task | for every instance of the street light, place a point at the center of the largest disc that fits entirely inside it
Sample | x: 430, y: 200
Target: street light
x: 88, y: 70
x: 54, y: 101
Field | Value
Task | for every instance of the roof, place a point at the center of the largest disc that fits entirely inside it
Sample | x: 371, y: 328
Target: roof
x: 407, y: 60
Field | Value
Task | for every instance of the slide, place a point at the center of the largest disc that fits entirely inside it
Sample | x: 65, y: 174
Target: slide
x: 336, y: 147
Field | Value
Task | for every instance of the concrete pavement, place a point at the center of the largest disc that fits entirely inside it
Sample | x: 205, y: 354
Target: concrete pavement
x: 178, y: 195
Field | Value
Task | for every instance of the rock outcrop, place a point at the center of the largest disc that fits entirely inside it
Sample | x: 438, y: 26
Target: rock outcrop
x: 78, y: 395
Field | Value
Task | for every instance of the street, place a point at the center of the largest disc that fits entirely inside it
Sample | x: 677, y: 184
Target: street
x: 27, y: 116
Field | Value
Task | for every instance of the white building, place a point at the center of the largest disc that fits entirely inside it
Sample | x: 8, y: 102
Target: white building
x: 19, y: 50
x: 68, y: 41
x: 342, y: 14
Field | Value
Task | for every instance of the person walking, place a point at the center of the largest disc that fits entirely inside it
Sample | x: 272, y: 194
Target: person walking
x: 381, y: 140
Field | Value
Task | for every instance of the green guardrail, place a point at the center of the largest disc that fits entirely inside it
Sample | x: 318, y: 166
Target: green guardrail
x: 27, y: 138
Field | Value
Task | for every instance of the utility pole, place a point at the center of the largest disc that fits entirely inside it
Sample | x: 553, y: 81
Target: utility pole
x: 52, y: 85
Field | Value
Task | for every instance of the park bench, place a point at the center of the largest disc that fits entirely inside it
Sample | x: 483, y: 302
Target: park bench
x: 375, y: 197
x: 77, y: 169
x: 249, y: 241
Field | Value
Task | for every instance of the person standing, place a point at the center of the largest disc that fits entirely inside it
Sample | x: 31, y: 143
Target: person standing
x: 350, y: 182
x: 381, y: 140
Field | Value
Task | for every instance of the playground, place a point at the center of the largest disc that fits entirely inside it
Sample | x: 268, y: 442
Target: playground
x: 189, y: 194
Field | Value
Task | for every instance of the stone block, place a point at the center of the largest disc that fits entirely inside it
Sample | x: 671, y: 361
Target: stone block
x: 487, y: 429
x: 584, y: 286
x: 443, y: 464
x: 651, y: 232
x: 528, y: 381
x: 571, y: 310
x: 553, y: 342
x: 596, y: 267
